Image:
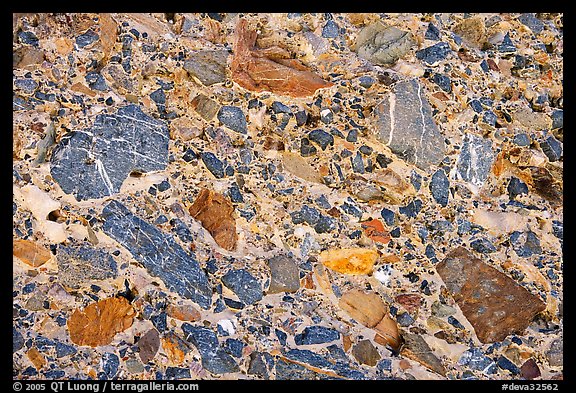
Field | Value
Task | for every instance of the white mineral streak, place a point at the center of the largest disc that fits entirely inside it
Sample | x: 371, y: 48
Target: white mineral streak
x: 423, y: 121
x: 391, y: 108
x: 227, y: 326
x: 41, y: 204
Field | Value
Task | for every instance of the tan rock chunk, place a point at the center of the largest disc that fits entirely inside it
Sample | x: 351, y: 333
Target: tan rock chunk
x: 388, y: 333
x: 98, y: 323
x: 366, y: 353
x: 30, y: 253
x: 269, y: 69
x: 215, y: 213
x: 349, y: 260
x: 108, y: 34
x: 298, y: 166
x: 472, y: 30
x: 495, y: 304
x: 365, y: 308
x: 36, y: 358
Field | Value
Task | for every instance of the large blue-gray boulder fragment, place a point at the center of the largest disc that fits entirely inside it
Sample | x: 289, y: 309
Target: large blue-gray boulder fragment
x: 94, y: 163
x: 214, y: 358
x: 316, y: 335
x: 158, y: 252
x: 244, y: 285
x: 316, y: 361
x: 475, y: 160
x: 404, y: 122
x: 81, y: 264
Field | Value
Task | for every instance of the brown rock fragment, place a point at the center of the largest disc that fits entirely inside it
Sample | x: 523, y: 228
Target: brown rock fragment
x: 388, y: 333
x: 100, y: 321
x: 269, y: 69
x: 298, y: 166
x: 215, y: 213
x: 366, y: 353
x: 530, y: 369
x: 108, y: 34
x: 36, y: 358
x: 175, y: 348
x: 284, y: 274
x: 148, y: 345
x: 472, y: 30
x: 410, y: 301
x: 416, y: 348
x: 183, y: 312
x: 366, y: 308
x: 495, y: 305
x: 30, y: 253
x: 374, y: 229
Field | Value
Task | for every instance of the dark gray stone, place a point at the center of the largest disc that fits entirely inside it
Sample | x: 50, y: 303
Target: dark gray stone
x: 322, y: 138
x: 557, y: 119
x: 177, y: 373
x: 411, y: 209
x: 96, y: 81
x: 525, y: 244
x: 214, y: 358
x: 209, y: 66
x: 505, y: 364
x: 292, y: 371
x: 516, y: 187
x: 316, y: 335
x: 475, y: 160
x: 213, y: 164
x: 26, y: 85
x: 433, y: 54
x: 555, y: 354
x: 507, y: 46
x: 522, y: 139
x: 315, y: 360
x: 325, y: 224
x: 365, y: 81
x: 357, y: 163
x: 443, y: 81
x: 17, y: 340
x: 475, y: 359
x: 28, y: 38
x: 260, y: 363
x: 432, y: 33
x: 233, y: 118
x: 95, y: 162
x: 234, y: 347
x: 64, y: 350
x: 81, y: 264
x: 404, y: 122
x: 440, y: 187
x: 552, y: 148
x: 330, y: 29
x: 244, y: 285
x: 533, y: 23
x: 482, y: 245
x: 306, y: 148
x: 158, y: 252
x: 110, y: 363
x: 87, y: 38
x: 284, y: 274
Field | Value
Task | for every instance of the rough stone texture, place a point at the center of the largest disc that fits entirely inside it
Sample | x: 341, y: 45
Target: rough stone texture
x: 214, y: 358
x: 404, y: 122
x: 94, y: 163
x: 475, y: 159
x: 284, y: 274
x: 416, y: 348
x: 495, y: 305
x: 319, y: 363
x: 555, y: 354
x: 158, y: 253
x: 366, y: 353
x: 209, y: 66
x: 383, y: 45
x: 81, y: 264
x: 260, y: 362
x: 233, y: 118
x: 148, y: 345
x: 316, y: 335
x: 244, y: 285
x: 30, y: 253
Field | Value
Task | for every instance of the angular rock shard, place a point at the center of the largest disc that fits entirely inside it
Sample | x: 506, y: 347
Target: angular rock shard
x: 94, y: 163
x: 495, y: 304
x: 475, y: 160
x: 79, y: 264
x: 270, y: 69
x: 158, y: 252
x: 366, y: 308
x: 214, y: 358
x: 417, y: 349
x: 383, y: 45
x: 209, y: 66
x: 215, y: 213
x: 98, y: 323
x: 404, y: 122
x: 284, y: 274
x: 30, y: 253
x: 349, y: 260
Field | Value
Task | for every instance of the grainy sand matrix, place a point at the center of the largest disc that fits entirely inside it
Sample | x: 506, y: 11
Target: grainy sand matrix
x: 288, y: 196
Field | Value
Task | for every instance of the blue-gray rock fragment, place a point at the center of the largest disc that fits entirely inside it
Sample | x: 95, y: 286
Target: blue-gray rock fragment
x: 533, y: 23
x: 81, y: 264
x: 475, y: 160
x: 158, y: 252
x: 26, y: 85
x: 110, y: 363
x: 322, y: 138
x: 244, y: 285
x: 432, y: 33
x: 507, y: 46
x: 214, y: 358
x: 87, y: 38
x: 516, y: 187
x: 525, y: 244
x: 330, y: 29
x: 64, y: 350
x: 316, y: 335
x: 260, y: 364
x: 482, y: 245
x: 476, y: 360
x: 94, y: 163
x: 177, y: 373
x: 552, y: 148
x: 557, y: 119
x: 233, y: 118
x: 404, y: 122
x: 17, y: 340
x: 440, y: 187
x: 28, y: 38
x: 213, y: 164
x: 433, y: 54
x: 318, y: 361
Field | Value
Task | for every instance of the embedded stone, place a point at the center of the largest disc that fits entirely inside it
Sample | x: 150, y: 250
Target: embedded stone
x: 79, y: 265
x: 209, y: 66
x: 244, y: 285
x: 493, y: 303
x: 284, y: 274
x: 214, y: 358
x: 316, y: 335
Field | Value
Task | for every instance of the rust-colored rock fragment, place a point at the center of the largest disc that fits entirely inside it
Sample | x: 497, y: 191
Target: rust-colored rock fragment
x: 183, y: 312
x: 270, y: 69
x: 100, y: 321
x: 30, y: 253
x: 495, y: 304
x: 215, y: 213
x: 36, y: 358
x: 374, y: 229
x: 410, y: 301
x: 108, y: 34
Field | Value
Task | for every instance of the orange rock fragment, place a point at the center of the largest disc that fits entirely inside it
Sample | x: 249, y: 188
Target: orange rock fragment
x: 172, y: 346
x: 100, y: 321
x: 269, y: 69
x: 215, y: 213
x: 183, y: 312
x: 36, y: 358
x: 374, y: 229
x: 30, y: 253
x: 349, y: 260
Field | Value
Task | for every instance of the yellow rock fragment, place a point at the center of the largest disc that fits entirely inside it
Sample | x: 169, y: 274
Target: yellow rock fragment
x: 349, y: 260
